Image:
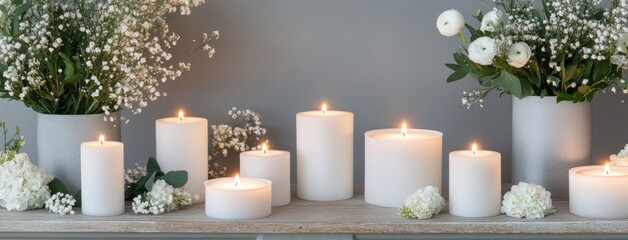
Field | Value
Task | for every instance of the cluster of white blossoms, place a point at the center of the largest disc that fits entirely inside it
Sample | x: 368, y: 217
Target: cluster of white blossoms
x: 91, y: 56
x: 244, y: 135
x: 23, y: 185
x: 621, y: 158
x: 162, y: 198
x: 526, y: 200
x: 61, y: 203
x: 134, y: 174
x: 422, y: 204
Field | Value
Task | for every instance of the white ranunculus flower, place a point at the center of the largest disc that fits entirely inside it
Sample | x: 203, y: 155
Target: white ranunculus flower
x: 527, y: 200
x: 482, y: 51
x: 519, y: 54
x: 450, y: 22
x: 622, y: 43
x: 492, y: 21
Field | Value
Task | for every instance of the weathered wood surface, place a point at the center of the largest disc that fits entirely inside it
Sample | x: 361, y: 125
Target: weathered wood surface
x: 351, y: 216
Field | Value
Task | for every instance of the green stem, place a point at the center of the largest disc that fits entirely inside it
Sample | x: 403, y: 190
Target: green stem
x: 464, y: 40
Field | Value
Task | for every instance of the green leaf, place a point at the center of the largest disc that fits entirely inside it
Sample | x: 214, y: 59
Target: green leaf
x: 150, y: 182
x: 600, y: 70
x: 569, y: 73
x: 78, y: 197
x: 56, y: 186
x: 510, y: 83
x: 452, y: 66
x: 457, y: 75
x: 152, y: 166
x: 584, y: 89
x: 176, y: 178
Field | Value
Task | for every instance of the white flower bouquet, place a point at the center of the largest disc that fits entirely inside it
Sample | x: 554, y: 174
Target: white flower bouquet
x: 89, y: 56
x: 155, y: 192
x: 422, y: 204
x: 526, y: 200
x: 572, y: 49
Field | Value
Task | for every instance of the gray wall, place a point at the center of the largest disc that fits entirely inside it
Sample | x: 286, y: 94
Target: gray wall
x: 382, y: 60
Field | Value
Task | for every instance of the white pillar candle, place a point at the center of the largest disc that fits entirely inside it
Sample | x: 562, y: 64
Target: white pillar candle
x: 398, y: 162
x: 596, y: 192
x: 238, y: 198
x: 102, y: 178
x: 182, y: 144
x: 325, y: 155
x: 474, y: 183
x: 273, y: 165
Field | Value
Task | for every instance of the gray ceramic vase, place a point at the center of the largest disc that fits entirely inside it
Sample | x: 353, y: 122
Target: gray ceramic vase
x: 548, y: 139
x: 59, y: 139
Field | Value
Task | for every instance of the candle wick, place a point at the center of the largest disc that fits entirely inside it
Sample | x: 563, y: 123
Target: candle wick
x: 236, y: 184
x: 265, y: 151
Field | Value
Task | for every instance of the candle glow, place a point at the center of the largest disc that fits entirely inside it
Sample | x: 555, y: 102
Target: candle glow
x: 607, y: 169
x: 265, y: 147
x: 474, y: 148
x: 324, y: 108
x: 404, y: 129
x: 101, y: 139
x: 237, y: 179
x: 181, y: 116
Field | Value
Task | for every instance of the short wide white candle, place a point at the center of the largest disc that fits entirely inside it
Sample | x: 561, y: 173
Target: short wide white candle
x: 598, y: 193
x: 273, y: 165
x: 474, y: 183
x: 182, y: 144
x: 325, y: 155
x: 102, y: 178
x: 249, y: 199
x: 397, y: 165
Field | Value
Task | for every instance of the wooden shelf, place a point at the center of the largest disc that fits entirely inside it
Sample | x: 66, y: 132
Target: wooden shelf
x: 352, y: 216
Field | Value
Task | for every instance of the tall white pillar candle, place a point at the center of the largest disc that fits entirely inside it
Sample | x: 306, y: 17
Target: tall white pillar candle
x: 273, y: 165
x: 398, y: 163
x: 325, y: 155
x: 102, y: 178
x: 474, y: 183
x: 599, y: 191
x: 182, y: 144
x: 238, y: 198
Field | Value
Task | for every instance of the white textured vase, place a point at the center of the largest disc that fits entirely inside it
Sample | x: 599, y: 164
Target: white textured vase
x: 59, y: 139
x: 548, y: 139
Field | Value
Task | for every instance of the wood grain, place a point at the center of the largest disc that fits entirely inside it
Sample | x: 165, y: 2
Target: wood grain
x: 351, y: 216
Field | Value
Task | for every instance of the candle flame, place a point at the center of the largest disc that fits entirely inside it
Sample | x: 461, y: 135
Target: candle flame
x: 181, y: 116
x: 404, y: 129
x: 101, y: 139
x: 237, y: 179
x: 607, y: 169
x: 474, y: 148
x: 324, y: 108
x: 265, y: 147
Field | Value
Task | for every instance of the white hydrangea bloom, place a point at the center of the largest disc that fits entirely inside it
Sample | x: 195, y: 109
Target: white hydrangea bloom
x: 23, y: 185
x: 422, y: 204
x: 621, y: 158
x: 527, y: 200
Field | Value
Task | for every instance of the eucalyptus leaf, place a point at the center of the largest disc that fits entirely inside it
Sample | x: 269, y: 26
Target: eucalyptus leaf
x: 150, y: 182
x: 152, y: 165
x: 457, y: 75
x: 452, y: 66
x: 510, y: 83
x: 176, y: 178
x: 56, y: 186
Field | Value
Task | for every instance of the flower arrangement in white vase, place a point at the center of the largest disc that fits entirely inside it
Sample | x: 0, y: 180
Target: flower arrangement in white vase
x: 78, y: 62
x: 553, y: 58
x: 568, y: 49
